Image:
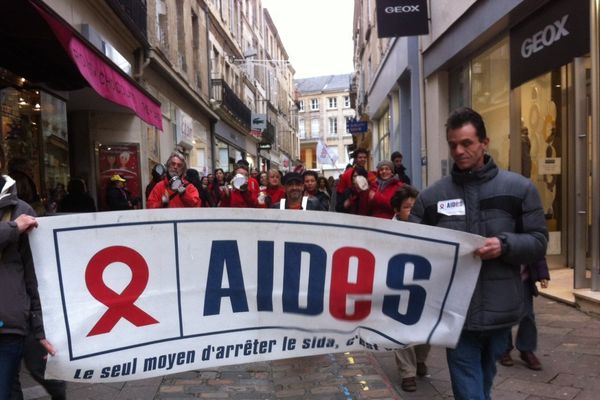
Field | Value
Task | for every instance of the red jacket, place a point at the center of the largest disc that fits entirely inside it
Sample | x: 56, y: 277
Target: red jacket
x: 380, y: 205
x: 275, y: 193
x: 247, y: 199
x: 190, y: 198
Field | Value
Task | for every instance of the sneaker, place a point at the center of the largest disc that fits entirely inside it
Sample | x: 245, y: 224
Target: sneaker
x: 409, y: 384
x: 421, y: 369
x: 506, y: 359
x: 531, y: 360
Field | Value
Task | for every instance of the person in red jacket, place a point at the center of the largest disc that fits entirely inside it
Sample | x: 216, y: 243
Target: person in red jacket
x: 382, y: 191
x: 174, y: 191
x: 346, y: 187
x: 244, y: 188
x: 274, y: 190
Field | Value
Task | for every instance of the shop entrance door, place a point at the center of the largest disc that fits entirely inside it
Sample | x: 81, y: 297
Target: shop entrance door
x: 581, y: 142
x: 544, y: 114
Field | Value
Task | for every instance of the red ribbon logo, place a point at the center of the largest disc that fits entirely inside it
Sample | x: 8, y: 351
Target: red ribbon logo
x: 119, y: 305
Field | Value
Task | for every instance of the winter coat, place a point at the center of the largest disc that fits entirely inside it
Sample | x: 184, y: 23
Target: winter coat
x: 190, y: 198
x: 380, y: 205
x: 20, y: 309
x: 501, y: 204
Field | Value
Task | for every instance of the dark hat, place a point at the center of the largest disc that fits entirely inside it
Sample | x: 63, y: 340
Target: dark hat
x: 292, y: 177
x: 395, y: 155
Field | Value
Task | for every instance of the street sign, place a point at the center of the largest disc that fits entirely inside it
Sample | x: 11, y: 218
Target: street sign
x: 355, y: 126
x: 264, y: 146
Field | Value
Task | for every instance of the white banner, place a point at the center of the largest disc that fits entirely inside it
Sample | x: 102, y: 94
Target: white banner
x: 325, y: 155
x: 136, y: 294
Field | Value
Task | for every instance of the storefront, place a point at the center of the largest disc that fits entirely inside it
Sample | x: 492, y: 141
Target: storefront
x: 532, y: 83
x: 64, y: 102
x: 232, y: 146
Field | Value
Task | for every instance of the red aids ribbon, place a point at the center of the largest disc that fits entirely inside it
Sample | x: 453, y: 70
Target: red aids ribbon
x: 119, y: 305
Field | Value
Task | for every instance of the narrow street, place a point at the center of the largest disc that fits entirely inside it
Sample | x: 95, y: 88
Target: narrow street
x: 569, y: 342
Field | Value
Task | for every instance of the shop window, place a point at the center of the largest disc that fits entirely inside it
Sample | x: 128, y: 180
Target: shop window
x: 383, y: 135
x: 34, y: 137
x: 490, y: 87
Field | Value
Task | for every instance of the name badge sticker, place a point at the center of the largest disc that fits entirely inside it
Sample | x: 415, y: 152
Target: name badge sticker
x: 451, y: 207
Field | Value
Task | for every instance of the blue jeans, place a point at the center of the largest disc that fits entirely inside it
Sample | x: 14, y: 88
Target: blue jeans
x: 472, y: 363
x: 527, y: 332
x: 11, y: 350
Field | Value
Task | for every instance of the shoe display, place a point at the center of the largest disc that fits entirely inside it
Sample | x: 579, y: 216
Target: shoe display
x: 506, y: 359
x: 409, y: 384
x: 421, y: 369
x: 531, y: 360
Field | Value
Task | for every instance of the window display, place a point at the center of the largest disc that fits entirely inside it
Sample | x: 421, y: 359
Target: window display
x: 34, y: 136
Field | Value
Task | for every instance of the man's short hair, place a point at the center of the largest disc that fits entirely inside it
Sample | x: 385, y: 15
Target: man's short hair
x: 463, y: 116
x: 395, y: 155
x: 311, y: 173
x: 358, y: 151
x: 405, y: 192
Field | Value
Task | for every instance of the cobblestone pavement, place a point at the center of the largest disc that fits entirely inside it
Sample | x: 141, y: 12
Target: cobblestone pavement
x: 569, y: 350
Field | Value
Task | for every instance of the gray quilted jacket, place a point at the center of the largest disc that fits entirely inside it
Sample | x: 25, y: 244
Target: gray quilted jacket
x: 497, y: 203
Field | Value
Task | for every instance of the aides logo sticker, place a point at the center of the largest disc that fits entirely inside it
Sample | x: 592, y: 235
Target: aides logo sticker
x: 451, y: 207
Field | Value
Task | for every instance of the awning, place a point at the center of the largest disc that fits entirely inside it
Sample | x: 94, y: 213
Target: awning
x: 107, y: 80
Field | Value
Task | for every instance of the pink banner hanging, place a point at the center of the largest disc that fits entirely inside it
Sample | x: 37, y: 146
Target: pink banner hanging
x: 102, y: 77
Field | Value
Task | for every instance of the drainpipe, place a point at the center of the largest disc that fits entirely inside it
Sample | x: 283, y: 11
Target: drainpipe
x: 142, y: 61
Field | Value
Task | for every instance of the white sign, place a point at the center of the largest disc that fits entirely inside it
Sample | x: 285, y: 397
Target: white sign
x: 184, y: 129
x: 549, y: 166
x: 136, y: 294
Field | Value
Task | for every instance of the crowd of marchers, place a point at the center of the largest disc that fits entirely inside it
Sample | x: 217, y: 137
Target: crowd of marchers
x: 477, y: 197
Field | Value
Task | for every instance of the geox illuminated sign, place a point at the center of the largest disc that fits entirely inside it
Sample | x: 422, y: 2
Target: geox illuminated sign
x: 402, y: 18
x: 545, y: 37
x: 549, y: 38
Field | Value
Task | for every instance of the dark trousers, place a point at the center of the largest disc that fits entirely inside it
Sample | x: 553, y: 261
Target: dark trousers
x: 527, y: 331
x: 33, y: 358
x: 11, y: 351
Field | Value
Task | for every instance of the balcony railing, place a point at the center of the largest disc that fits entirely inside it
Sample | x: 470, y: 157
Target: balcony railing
x: 223, y: 95
x: 134, y: 12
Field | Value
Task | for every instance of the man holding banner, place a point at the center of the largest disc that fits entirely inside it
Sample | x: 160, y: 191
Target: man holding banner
x: 505, y: 208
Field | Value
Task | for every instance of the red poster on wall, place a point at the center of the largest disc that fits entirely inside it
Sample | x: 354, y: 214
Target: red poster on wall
x: 122, y: 160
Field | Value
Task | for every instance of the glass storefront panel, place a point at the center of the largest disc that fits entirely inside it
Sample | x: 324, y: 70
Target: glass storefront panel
x: 383, y: 130
x: 222, y: 154
x: 542, y: 108
x: 490, y: 89
x: 459, y: 88
x: 200, y: 154
x: 34, y: 136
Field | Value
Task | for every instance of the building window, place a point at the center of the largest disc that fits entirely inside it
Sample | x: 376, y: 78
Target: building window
x: 346, y: 124
x: 301, y: 105
x: 346, y: 101
x: 314, y: 104
x: 301, y: 129
x: 162, y: 24
x: 332, y: 102
x: 332, y: 126
x: 314, y: 128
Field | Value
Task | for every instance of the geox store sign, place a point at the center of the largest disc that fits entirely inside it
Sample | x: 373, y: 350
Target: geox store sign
x: 548, y: 39
x: 402, y: 18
